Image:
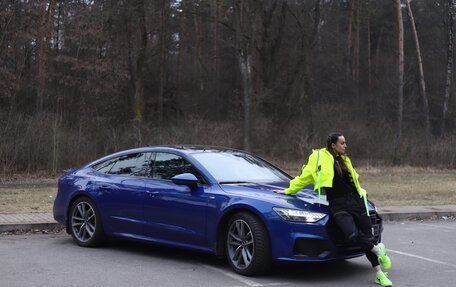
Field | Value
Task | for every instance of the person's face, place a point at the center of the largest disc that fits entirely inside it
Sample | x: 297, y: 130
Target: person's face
x: 340, y: 146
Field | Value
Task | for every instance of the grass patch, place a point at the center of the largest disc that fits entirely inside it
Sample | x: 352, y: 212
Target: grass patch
x: 409, y: 186
x: 404, y: 185
x: 27, y: 194
x: 30, y: 199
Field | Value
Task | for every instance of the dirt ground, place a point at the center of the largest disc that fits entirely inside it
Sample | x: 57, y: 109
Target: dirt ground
x: 385, y: 185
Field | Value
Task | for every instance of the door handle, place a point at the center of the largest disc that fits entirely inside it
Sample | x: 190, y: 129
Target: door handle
x: 152, y: 192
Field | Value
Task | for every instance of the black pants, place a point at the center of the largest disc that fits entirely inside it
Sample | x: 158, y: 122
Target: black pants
x: 350, y: 215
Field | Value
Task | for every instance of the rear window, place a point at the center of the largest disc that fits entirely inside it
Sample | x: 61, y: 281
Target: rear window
x: 134, y: 164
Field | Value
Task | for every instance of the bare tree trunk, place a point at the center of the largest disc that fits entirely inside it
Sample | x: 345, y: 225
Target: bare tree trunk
x: 371, y: 106
x: 300, y: 80
x: 55, y: 140
x: 3, y: 36
x: 16, y: 53
x: 131, y: 64
x: 422, y: 82
x: 59, y: 21
x: 377, y: 101
x: 197, y: 23
x: 241, y: 13
x: 41, y: 47
x: 198, y: 34
x: 377, y: 53
x: 369, y: 66
x: 355, y: 67
x: 217, y: 47
x: 349, y: 39
x: 215, y: 15
x: 244, y: 58
x: 400, y: 81
x: 161, y: 87
x: 446, y: 98
x: 309, y: 68
x: 140, y: 62
x: 180, y: 60
x: 339, y: 55
x: 43, y: 40
x: 214, y: 97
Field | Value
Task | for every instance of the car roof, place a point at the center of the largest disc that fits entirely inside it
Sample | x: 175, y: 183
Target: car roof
x: 186, y: 149
x: 200, y: 148
x: 182, y: 149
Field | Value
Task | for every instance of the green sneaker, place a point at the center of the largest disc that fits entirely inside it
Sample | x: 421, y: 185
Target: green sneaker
x: 382, y: 279
x: 383, y: 258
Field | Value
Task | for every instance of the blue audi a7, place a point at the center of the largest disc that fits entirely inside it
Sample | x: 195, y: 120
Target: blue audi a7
x: 205, y: 198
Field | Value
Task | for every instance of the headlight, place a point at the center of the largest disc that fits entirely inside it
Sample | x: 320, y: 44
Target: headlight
x: 298, y: 215
x: 372, y: 206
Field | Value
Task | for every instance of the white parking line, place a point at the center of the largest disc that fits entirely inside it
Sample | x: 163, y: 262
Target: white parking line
x: 244, y: 280
x: 422, y: 258
x: 235, y: 276
x: 266, y: 284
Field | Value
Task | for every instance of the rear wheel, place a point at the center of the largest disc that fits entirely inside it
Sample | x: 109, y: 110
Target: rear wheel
x: 85, y: 223
x: 247, y: 245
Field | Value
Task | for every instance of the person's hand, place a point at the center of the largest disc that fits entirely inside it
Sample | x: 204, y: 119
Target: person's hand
x: 280, y: 191
x: 362, y: 192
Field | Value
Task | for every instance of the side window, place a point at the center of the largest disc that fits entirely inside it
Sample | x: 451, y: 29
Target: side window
x: 105, y: 166
x: 167, y: 165
x: 134, y: 164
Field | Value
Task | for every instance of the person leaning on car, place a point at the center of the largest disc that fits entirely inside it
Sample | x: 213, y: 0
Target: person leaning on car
x: 331, y: 171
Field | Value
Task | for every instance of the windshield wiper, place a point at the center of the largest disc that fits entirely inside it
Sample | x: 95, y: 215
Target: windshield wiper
x: 234, y: 182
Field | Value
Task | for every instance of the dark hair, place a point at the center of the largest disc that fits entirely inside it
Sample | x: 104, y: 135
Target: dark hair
x: 332, y: 139
x: 339, y: 163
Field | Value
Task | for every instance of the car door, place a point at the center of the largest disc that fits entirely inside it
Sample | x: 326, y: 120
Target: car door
x: 122, y: 192
x: 175, y: 213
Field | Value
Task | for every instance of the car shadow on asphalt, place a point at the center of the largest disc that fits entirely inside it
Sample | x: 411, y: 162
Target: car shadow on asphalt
x: 162, y: 251
x: 313, y: 272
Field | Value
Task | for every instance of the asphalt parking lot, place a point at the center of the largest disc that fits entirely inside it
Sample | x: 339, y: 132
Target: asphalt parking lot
x: 423, y: 254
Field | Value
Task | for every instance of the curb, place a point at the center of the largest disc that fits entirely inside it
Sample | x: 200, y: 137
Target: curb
x: 416, y: 215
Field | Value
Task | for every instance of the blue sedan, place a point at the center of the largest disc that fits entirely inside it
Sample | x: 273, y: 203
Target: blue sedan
x: 205, y: 198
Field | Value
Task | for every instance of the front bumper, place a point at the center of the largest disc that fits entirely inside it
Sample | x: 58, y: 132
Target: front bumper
x: 321, y: 241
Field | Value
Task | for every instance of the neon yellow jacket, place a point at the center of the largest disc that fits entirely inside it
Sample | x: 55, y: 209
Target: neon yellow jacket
x: 310, y: 175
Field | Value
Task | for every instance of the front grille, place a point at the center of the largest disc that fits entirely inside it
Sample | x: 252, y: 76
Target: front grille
x: 377, y: 226
x: 308, y: 247
x: 343, y: 245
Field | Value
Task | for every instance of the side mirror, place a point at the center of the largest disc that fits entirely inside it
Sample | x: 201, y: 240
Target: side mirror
x: 187, y: 179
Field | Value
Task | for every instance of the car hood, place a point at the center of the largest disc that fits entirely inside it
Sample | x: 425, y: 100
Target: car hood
x: 265, y: 191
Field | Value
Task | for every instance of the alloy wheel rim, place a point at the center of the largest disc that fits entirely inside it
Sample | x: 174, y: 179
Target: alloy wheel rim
x: 240, y: 244
x: 83, y: 221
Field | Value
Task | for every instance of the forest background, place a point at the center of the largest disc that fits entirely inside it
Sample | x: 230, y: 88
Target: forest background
x: 83, y: 78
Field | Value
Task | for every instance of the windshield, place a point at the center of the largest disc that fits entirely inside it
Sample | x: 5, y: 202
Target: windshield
x: 238, y: 167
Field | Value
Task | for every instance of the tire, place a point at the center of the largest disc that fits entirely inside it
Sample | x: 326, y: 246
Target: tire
x: 247, y: 245
x: 85, y: 223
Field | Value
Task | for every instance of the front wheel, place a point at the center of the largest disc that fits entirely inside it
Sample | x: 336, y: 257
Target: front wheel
x: 247, y: 245
x: 85, y: 223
